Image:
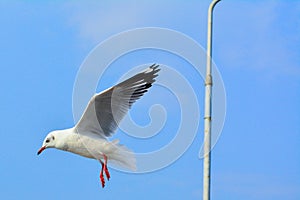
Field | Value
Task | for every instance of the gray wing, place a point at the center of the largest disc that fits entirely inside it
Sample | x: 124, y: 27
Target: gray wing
x: 106, y: 109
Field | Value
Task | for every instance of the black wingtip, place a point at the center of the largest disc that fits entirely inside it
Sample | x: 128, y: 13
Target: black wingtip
x: 155, y: 68
x: 154, y: 71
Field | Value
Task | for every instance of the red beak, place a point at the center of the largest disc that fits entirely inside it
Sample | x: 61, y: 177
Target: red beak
x: 41, y: 149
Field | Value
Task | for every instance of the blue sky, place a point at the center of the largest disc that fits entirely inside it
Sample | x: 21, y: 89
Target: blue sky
x: 256, y: 48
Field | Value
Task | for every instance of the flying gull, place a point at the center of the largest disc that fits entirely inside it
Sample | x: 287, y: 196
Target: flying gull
x: 100, y: 120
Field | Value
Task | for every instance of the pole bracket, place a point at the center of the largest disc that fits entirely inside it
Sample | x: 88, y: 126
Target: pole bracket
x: 208, y: 80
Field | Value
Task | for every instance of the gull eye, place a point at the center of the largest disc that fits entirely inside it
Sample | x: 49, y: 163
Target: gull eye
x: 47, y: 140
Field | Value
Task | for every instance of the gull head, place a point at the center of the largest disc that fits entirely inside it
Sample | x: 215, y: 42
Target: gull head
x: 49, y: 142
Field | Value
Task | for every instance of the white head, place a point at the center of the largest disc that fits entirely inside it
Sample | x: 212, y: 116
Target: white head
x: 49, y: 142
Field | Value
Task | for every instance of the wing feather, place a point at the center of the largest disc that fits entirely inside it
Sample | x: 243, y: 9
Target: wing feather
x: 105, y: 110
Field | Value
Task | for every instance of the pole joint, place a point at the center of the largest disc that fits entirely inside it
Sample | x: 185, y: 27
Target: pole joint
x: 208, y: 118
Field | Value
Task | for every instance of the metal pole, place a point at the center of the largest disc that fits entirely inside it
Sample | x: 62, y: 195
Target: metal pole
x: 207, y: 111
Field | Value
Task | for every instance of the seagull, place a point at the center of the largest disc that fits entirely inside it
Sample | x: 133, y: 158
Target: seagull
x: 100, y: 120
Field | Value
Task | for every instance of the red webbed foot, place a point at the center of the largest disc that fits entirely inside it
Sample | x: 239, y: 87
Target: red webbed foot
x: 101, y: 175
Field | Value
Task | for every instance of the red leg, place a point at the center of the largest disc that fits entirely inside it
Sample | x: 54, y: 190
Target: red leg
x: 105, y: 167
x: 101, y: 175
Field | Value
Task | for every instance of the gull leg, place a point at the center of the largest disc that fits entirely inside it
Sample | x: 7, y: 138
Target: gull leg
x: 105, y: 167
x: 101, y: 174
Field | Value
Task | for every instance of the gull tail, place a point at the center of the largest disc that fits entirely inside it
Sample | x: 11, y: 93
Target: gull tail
x: 120, y: 156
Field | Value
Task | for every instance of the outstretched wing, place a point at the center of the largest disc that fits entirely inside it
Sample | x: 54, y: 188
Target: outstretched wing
x: 105, y: 110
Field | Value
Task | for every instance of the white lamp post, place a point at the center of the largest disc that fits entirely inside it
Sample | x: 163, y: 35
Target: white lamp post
x: 207, y: 111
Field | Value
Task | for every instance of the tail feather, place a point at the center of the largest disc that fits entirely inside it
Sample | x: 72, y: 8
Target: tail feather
x: 120, y: 156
